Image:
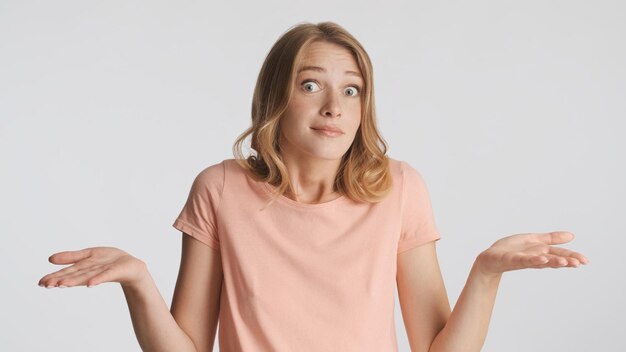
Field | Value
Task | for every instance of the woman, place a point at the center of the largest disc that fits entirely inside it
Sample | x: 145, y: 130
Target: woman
x: 300, y: 247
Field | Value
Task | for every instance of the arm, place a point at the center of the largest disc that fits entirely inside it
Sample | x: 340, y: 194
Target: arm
x: 192, y: 323
x: 196, y: 300
x: 467, y: 326
x: 426, y: 312
x: 465, y: 329
x: 422, y: 294
x: 429, y: 324
x: 154, y: 326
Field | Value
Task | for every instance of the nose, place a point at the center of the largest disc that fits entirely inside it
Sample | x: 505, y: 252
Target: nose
x: 332, y: 106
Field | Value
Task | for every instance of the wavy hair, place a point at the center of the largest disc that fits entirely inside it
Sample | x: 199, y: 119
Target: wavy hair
x: 363, y: 174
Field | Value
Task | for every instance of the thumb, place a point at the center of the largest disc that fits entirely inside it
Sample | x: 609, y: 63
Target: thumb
x: 67, y: 257
x: 556, y: 237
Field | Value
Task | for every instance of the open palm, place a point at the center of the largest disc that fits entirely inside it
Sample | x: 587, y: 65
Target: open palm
x: 529, y: 250
x: 92, y: 266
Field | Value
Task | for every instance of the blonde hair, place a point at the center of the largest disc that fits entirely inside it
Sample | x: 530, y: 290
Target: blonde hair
x: 363, y: 174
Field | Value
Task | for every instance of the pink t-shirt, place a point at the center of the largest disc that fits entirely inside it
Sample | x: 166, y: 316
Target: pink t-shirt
x: 306, y: 277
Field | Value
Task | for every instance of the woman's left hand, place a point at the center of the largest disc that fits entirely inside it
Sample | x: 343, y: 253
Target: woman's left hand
x: 529, y: 250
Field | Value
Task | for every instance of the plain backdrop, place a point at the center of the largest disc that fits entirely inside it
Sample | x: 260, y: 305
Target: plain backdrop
x: 513, y: 111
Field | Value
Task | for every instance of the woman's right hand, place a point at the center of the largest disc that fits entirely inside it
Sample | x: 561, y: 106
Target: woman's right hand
x: 92, y: 266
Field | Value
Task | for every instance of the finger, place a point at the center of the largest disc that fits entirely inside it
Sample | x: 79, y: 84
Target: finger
x: 537, y: 260
x: 555, y: 237
x: 80, y: 279
x: 66, y: 271
x: 572, y: 262
x: 532, y: 260
x: 540, y: 261
x: 48, y: 280
x: 560, y: 262
x: 70, y: 269
x: 45, y: 281
x: 554, y: 261
x: 521, y: 260
x: 68, y: 257
x: 57, y: 280
x: 564, y: 252
x: 105, y: 276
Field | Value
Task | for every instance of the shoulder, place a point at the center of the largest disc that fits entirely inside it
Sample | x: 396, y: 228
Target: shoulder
x: 410, y: 182
x: 212, y: 175
x: 214, y: 170
x: 395, y: 168
x: 403, y: 171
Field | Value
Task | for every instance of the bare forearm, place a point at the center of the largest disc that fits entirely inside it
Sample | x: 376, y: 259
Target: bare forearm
x: 155, y: 327
x: 468, y: 323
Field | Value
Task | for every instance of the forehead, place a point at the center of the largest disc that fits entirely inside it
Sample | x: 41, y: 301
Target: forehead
x: 328, y: 56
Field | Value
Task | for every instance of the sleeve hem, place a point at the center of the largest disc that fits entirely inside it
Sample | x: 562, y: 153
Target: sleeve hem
x: 405, y: 246
x: 191, y: 230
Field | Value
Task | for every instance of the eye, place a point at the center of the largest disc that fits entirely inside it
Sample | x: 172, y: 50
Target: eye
x: 352, y: 91
x: 310, y: 86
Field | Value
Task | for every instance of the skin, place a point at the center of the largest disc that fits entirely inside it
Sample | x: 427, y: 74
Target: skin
x: 431, y: 326
x: 330, y: 96
x: 324, y: 96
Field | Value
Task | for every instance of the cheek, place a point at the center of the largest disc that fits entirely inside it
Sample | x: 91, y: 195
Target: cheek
x: 357, y: 111
x: 299, y: 111
x: 300, y: 103
x: 291, y: 123
x: 287, y: 122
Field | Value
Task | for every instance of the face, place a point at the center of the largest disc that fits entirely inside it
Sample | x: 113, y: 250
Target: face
x: 327, y: 94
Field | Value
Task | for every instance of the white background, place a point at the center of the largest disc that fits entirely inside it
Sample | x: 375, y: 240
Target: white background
x: 513, y: 111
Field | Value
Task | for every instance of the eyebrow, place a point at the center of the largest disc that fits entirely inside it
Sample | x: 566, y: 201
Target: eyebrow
x: 321, y: 69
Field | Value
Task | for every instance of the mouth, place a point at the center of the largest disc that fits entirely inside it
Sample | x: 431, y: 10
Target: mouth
x: 328, y: 132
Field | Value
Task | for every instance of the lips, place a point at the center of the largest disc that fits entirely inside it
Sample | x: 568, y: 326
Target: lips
x: 328, y: 132
x: 328, y: 128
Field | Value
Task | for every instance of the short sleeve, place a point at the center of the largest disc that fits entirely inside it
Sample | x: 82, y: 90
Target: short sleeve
x: 198, y: 218
x: 418, y: 221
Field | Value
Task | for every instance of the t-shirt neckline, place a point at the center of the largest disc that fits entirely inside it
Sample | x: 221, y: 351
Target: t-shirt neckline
x: 286, y: 200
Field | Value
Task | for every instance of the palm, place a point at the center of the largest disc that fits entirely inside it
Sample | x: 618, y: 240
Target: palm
x: 91, y: 266
x: 529, y: 250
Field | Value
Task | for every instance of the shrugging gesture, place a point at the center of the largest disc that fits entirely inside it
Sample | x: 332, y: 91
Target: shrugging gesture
x: 465, y: 328
x: 154, y: 325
